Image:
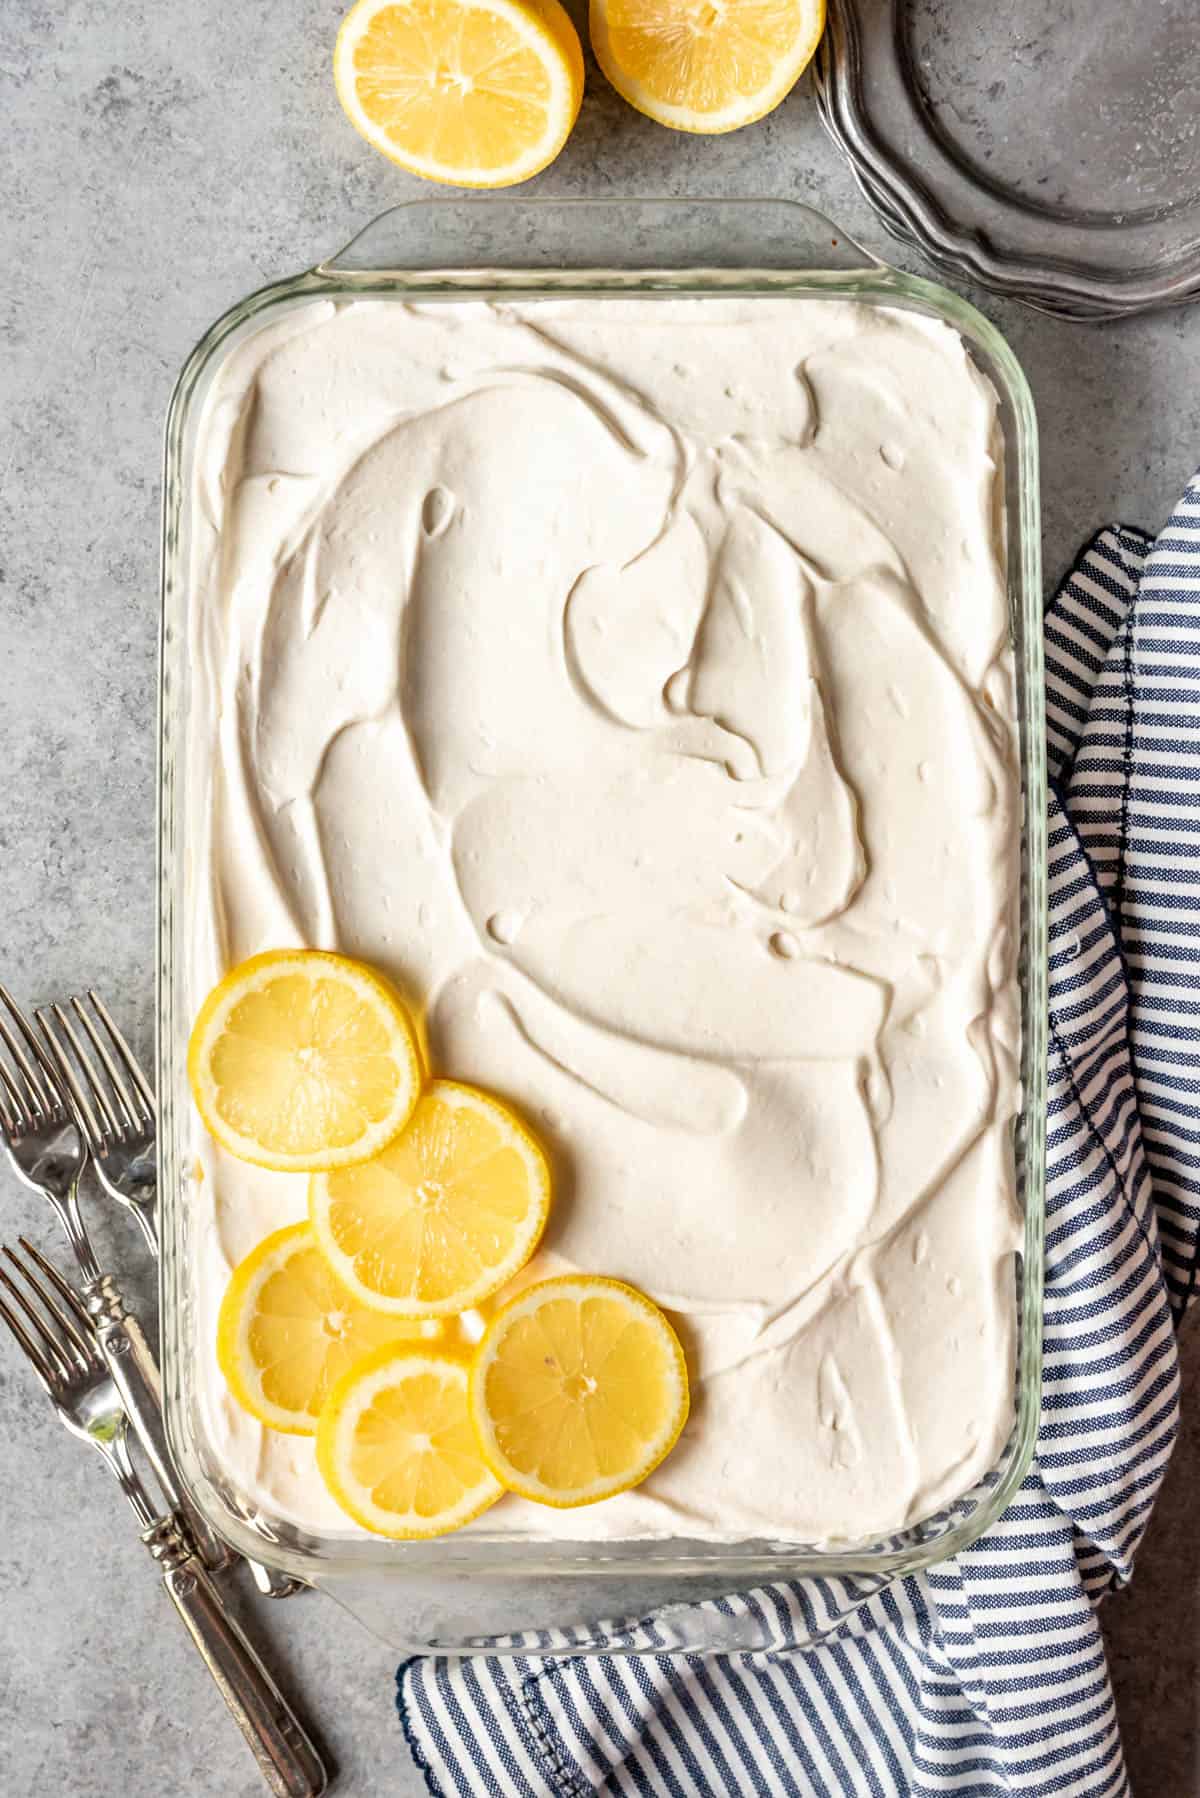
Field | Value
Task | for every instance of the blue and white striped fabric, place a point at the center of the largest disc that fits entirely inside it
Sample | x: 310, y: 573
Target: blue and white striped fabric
x: 986, y: 1675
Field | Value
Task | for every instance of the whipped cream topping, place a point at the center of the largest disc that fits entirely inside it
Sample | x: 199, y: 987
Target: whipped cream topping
x: 629, y: 679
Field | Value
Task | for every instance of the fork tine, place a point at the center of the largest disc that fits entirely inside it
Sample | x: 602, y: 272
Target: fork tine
x: 132, y: 1064
x: 25, y: 1342
x: 40, y: 1078
x: 55, y: 1357
x: 24, y: 1089
x: 81, y: 1331
x: 133, y: 1115
x: 86, y: 1117
x: 14, y: 1112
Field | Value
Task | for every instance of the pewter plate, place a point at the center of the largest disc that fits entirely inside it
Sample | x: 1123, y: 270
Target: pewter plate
x: 1051, y: 152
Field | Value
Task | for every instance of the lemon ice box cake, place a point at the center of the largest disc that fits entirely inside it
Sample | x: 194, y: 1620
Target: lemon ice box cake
x: 628, y: 680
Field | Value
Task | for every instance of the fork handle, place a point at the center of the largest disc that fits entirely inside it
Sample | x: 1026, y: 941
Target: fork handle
x: 143, y: 1406
x: 286, y: 1757
x: 132, y: 1365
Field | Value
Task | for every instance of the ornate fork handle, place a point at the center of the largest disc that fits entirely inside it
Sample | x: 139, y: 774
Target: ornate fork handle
x: 287, y: 1759
x: 133, y: 1368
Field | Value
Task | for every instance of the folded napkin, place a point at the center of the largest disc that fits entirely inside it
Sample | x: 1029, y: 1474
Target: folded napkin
x: 987, y: 1673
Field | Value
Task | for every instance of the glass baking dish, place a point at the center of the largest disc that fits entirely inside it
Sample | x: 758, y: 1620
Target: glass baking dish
x: 472, y: 1593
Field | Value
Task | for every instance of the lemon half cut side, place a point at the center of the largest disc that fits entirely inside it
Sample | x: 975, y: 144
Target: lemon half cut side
x: 705, y: 65
x: 474, y: 93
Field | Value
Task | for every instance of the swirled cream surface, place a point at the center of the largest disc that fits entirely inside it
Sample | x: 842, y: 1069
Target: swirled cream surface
x: 629, y: 678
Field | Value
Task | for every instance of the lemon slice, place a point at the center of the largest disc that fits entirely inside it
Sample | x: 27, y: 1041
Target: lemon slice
x: 396, y: 1448
x: 302, y: 1060
x: 477, y: 93
x: 705, y: 65
x: 288, y: 1330
x: 450, y: 1210
x: 578, y: 1389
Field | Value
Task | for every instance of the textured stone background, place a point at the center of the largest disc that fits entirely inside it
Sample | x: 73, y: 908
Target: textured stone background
x: 156, y: 162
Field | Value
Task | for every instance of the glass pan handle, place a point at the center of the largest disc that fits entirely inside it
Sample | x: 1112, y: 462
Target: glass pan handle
x: 465, y: 237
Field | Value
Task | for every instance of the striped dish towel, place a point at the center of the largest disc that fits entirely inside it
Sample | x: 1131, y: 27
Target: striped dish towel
x: 985, y: 1675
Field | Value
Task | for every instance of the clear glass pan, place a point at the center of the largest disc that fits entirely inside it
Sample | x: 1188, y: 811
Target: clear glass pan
x: 461, y: 1594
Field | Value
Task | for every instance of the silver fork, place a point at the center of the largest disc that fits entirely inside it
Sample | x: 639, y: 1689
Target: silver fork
x: 55, y: 1332
x: 117, y: 1118
x: 44, y: 1144
x: 116, y: 1114
x: 46, y: 1149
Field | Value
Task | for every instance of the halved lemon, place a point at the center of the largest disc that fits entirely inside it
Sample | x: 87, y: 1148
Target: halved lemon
x: 579, y: 1389
x: 705, y: 65
x: 396, y: 1448
x: 301, y: 1060
x: 449, y: 1211
x: 288, y: 1331
x: 477, y: 93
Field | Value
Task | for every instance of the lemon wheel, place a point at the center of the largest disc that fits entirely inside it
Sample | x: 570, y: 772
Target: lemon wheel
x: 451, y: 1209
x: 301, y: 1060
x: 579, y: 1389
x: 288, y: 1330
x: 396, y: 1448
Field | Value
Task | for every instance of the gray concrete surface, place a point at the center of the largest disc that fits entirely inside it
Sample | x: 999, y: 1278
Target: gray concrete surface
x: 157, y: 161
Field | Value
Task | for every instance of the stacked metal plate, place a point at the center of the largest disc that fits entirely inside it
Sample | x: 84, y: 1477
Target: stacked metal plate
x: 1047, y: 149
